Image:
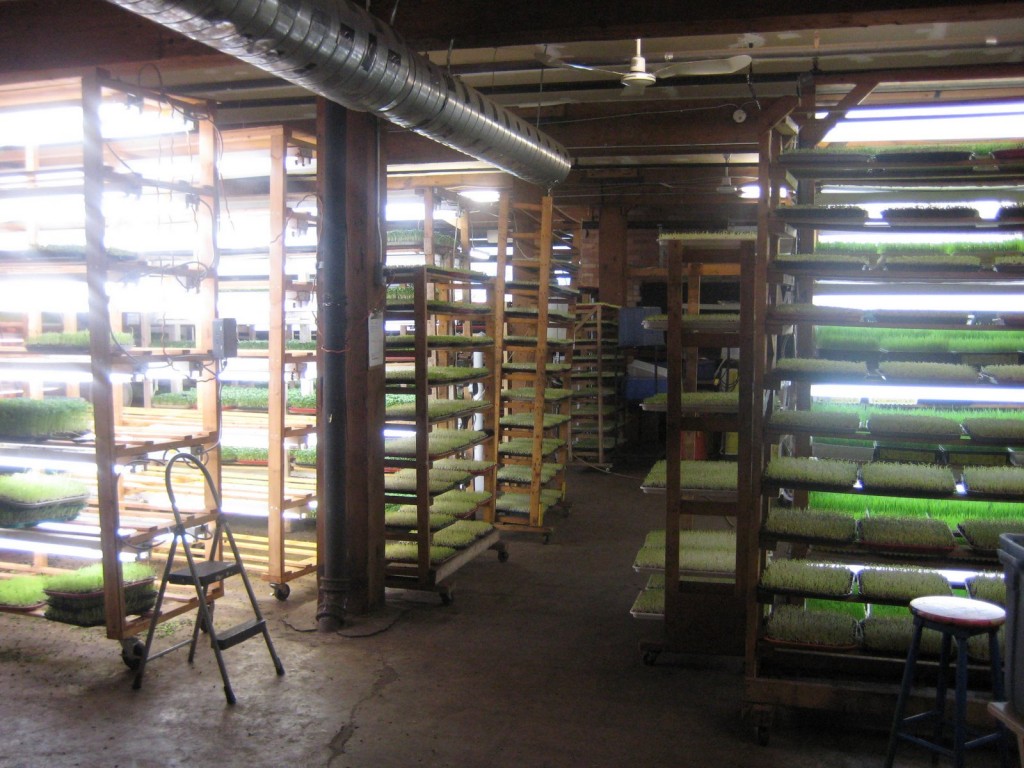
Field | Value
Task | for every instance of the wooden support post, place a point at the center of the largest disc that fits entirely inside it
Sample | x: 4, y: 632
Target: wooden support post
x: 612, y: 257
x: 350, y: 471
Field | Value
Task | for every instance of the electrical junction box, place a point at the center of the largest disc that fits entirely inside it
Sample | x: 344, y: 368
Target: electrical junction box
x: 225, y: 338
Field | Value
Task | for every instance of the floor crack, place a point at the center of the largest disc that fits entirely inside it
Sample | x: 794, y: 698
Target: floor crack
x: 337, y: 745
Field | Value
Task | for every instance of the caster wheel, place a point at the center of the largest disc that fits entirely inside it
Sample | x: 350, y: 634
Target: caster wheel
x: 762, y: 735
x: 281, y: 591
x: 651, y: 658
x: 546, y: 539
x: 503, y: 556
x: 131, y: 652
x: 447, y: 598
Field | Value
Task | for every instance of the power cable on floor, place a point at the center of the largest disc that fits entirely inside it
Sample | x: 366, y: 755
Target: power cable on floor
x: 351, y: 635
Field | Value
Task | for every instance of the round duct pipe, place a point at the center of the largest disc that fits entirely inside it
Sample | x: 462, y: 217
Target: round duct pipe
x: 343, y: 53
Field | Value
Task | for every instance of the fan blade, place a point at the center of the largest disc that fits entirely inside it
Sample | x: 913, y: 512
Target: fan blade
x: 552, y: 61
x: 705, y: 67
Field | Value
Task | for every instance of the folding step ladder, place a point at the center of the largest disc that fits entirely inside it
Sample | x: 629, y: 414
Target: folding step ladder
x: 201, y: 574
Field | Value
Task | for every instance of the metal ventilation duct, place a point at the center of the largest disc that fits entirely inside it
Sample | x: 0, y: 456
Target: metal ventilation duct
x: 343, y: 53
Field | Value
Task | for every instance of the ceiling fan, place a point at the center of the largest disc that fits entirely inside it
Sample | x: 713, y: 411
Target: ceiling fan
x: 638, y: 76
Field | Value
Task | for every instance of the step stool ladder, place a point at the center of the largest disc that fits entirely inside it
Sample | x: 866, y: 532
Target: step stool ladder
x: 200, y: 574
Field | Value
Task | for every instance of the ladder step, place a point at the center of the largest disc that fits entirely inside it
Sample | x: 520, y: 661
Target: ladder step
x: 239, y: 633
x: 208, y: 571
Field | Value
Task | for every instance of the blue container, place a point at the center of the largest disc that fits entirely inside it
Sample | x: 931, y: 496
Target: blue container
x: 1011, y: 555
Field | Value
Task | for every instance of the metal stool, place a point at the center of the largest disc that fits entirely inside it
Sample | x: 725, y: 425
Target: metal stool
x: 959, y: 618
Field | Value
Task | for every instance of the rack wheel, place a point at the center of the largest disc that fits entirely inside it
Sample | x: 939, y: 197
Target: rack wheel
x: 546, y: 538
x: 281, y: 591
x: 447, y: 596
x: 503, y: 556
x: 131, y: 652
x: 763, y: 716
x: 650, y: 658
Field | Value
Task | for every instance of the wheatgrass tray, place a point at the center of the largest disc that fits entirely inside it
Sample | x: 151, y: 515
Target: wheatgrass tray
x: 900, y: 585
x: 406, y: 517
x: 814, y: 422
x: 407, y: 341
x: 810, y: 473
x: 523, y: 446
x: 994, y: 482
x: 892, y: 478
x: 809, y: 526
x: 519, y: 503
x: 717, y: 479
x: 905, y: 535
x: 438, y: 480
x: 650, y: 601
x: 695, y: 402
x: 982, y: 534
x: 437, y: 410
x: 440, y: 443
x: 806, y: 578
x: 528, y: 394
x: 791, y: 626
x: 913, y: 427
x: 436, y: 374
x: 995, y: 431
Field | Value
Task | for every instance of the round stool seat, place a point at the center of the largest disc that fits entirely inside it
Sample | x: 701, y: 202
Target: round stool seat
x: 958, y: 611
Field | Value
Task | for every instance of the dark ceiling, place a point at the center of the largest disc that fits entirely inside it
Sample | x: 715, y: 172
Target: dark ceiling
x: 661, y: 149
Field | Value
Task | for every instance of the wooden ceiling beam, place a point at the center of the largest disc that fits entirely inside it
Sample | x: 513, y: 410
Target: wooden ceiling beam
x: 433, y: 24
x: 56, y: 35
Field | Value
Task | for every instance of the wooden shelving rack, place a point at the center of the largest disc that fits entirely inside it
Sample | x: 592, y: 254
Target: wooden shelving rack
x: 597, y: 382
x: 704, y: 612
x: 861, y: 680
x: 281, y: 266
x: 95, y: 248
x: 537, y: 356
x: 432, y: 363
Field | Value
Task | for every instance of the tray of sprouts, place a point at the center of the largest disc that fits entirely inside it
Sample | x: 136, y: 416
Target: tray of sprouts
x: 794, y: 627
x: 900, y: 585
x: 995, y: 431
x: 650, y: 602
x: 809, y: 526
x: 806, y: 578
x: 910, y: 372
x: 1004, y: 374
x: 987, y: 587
x: 912, y: 426
x: 785, y: 314
x: 710, y: 480
x: 998, y: 482
x: 819, y: 370
x: 810, y: 473
x: 905, y: 535
x: 21, y: 594
x: 695, y: 402
x: 982, y: 534
x: 700, y: 552
x: 814, y: 422
x: 889, y: 629
x: 894, y: 477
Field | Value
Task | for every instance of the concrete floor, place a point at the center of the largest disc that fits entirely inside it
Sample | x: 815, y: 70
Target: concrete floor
x: 534, y: 664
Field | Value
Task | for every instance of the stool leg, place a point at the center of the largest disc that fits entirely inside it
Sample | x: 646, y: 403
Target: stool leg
x: 996, y: 665
x: 901, y: 701
x: 941, y: 686
x: 960, y: 711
